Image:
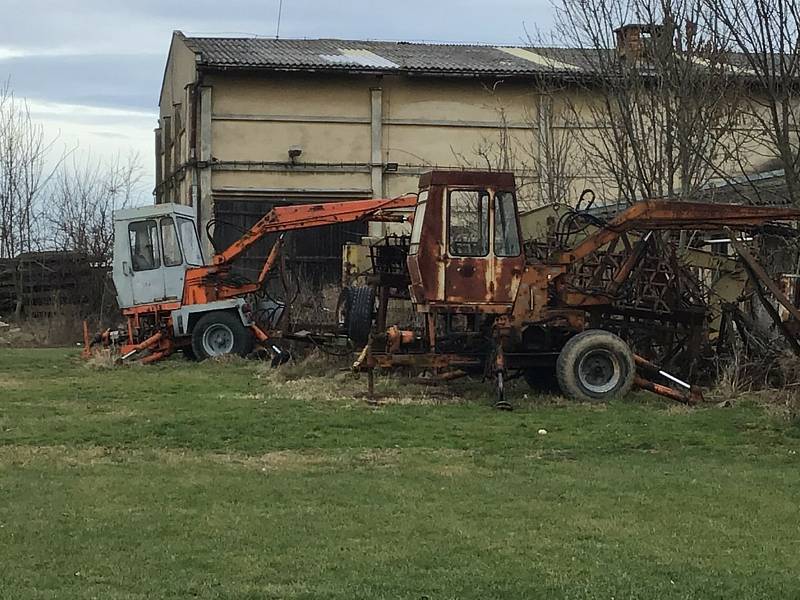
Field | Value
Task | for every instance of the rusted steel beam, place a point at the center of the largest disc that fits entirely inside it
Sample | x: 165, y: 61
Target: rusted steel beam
x: 759, y: 276
x: 629, y: 265
x: 427, y: 361
x: 762, y: 276
x: 670, y: 215
x: 773, y: 312
x: 289, y: 218
x: 689, y: 394
x: 665, y: 391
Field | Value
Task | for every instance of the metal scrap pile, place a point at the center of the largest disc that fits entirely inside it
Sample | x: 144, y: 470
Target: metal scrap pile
x: 691, y: 304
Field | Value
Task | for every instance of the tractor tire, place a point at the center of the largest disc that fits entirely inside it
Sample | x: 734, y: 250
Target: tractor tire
x: 595, y: 366
x: 356, y: 311
x: 219, y: 333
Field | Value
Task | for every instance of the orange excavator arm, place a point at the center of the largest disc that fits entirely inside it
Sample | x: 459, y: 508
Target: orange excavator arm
x: 665, y: 215
x: 208, y: 283
x: 292, y: 218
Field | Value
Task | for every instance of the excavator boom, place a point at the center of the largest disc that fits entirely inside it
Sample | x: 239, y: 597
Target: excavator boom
x: 306, y: 216
x: 662, y: 215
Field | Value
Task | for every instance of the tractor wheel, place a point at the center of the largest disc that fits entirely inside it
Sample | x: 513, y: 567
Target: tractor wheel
x: 595, y: 366
x: 219, y: 333
x: 356, y: 308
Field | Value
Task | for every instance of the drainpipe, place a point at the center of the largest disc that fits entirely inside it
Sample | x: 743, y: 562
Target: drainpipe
x: 376, y: 145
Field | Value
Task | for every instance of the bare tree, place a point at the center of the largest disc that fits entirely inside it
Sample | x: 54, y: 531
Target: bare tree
x: 538, y: 148
x: 765, y: 51
x: 659, y: 102
x: 24, y: 172
x: 81, y: 200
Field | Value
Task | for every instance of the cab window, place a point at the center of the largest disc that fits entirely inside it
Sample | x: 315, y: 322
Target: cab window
x: 143, y: 238
x: 506, y: 233
x: 169, y: 243
x: 468, y: 223
x: 419, y: 217
x: 189, y: 241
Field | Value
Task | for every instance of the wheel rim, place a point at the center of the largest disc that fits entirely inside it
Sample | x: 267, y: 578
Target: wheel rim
x: 599, y: 371
x: 218, y: 339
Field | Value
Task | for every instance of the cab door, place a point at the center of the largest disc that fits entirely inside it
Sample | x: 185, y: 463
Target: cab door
x: 174, y: 269
x: 484, y: 251
x: 143, y: 273
x: 468, y: 261
x: 508, y: 259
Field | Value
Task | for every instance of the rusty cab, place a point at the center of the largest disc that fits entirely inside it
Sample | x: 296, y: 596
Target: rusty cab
x: 464, y: 263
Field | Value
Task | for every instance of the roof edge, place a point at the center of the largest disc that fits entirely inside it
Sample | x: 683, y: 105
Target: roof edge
x: 179, y: 35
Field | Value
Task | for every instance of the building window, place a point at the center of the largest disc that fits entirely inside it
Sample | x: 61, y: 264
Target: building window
x: 468, y: 212
x: 506, y: 234
x: 143, y: 238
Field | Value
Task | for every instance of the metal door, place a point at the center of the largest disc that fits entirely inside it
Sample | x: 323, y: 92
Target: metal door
x: 144, y: 271
x: 468, y: 272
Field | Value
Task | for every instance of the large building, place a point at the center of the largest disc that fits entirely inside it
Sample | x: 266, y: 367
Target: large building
x: 246, y: 123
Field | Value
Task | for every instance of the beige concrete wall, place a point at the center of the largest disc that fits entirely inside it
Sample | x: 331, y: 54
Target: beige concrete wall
x: 264, y: 141
x: 426, y: 123
x: 174, y: 104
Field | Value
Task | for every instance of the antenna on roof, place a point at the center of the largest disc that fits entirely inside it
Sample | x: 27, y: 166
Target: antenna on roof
x: 278, y: 28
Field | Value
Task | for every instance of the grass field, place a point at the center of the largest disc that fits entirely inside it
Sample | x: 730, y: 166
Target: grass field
x: 224, y: 480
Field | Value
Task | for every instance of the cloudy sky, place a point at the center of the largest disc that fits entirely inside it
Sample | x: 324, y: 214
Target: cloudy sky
x: 91, y: 69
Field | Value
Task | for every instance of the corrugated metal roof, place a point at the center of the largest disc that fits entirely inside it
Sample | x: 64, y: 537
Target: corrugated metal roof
x: 349, y: 55
x: 760, y: 189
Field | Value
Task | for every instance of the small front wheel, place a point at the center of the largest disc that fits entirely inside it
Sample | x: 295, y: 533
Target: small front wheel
x: 595, y: 366
x: 219, y: 333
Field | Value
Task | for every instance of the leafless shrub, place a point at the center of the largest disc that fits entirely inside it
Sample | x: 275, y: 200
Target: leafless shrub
x: 539, y: 149
x: 314, y: 364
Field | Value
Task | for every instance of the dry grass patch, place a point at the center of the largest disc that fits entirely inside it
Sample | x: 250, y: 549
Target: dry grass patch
x: 280, y: 460
x: 61, y: 455
x: 8, y: 382
x: 102, y: 358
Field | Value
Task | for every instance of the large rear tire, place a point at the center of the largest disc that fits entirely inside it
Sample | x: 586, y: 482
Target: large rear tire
x: 219, y: 333
x: 595, y: 366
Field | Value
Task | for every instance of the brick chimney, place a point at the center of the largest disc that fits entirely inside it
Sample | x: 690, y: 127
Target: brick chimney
x: 636, y: 40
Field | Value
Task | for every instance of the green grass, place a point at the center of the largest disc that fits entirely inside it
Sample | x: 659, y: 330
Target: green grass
x: 222, y: 480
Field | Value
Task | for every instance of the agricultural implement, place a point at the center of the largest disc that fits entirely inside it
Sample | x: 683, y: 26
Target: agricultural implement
x: 598, y: 305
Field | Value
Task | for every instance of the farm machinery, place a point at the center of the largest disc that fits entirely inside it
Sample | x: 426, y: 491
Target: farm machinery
x: 596, y: 303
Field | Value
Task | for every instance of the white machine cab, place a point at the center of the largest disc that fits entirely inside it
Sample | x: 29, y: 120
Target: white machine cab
x: 153, y: 247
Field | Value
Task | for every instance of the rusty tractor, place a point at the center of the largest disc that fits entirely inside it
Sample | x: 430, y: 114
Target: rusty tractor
x: 598, y: 313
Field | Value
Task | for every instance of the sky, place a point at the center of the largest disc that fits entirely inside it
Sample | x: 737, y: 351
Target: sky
x: 91, y: 69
